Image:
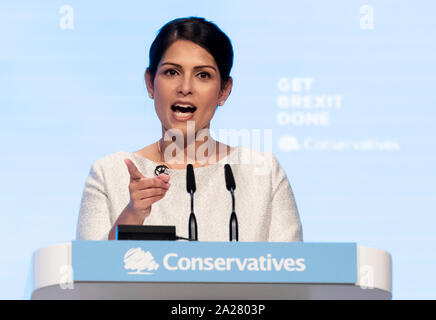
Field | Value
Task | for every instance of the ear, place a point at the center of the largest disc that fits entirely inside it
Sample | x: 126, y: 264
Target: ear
x: 225, y: 92
x: 149, y: 83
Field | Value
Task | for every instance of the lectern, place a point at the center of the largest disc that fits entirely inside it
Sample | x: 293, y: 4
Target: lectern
x: 210, y: 270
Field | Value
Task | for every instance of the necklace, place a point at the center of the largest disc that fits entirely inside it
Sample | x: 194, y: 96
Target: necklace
x: 162, y: 168
x: 160, y: 154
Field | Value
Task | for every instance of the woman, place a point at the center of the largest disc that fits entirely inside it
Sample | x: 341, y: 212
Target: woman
x: 188, y: 78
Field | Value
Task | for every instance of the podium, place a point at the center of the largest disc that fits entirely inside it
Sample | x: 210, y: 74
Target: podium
x: 173, y: 270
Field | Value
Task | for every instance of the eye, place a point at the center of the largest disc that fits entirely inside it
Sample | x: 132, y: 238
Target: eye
x: 204, y: 75
x: 170, y: 72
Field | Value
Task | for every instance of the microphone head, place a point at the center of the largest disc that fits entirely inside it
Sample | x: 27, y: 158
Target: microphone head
x: 190, y: 179
x: 230, y: 180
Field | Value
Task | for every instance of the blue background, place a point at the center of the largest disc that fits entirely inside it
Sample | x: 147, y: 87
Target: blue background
x: 71, y: 96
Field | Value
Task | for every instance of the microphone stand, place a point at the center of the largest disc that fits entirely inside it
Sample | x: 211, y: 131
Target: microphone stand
x: 233, y: 226
x: 193, y: 234
x: 231, y: 186
x: 191, y: 187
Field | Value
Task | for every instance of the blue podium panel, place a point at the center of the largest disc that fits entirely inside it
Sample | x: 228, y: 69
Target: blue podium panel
x: 170, y: 261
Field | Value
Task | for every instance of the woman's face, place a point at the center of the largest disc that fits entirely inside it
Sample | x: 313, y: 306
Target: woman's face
x: 187, y: 87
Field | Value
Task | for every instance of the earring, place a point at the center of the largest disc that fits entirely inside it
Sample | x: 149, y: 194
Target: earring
x: 150, y: 95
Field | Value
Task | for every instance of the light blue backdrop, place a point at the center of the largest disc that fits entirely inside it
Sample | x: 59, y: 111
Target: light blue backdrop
x: 347, y: 88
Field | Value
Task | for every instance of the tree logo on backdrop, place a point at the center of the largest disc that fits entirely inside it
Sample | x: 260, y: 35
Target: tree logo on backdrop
x: 142, y: 262
x: 289, y: 143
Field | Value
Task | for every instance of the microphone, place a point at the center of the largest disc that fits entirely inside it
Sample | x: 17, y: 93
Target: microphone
x: 190, y: 187
x: 231, y: 186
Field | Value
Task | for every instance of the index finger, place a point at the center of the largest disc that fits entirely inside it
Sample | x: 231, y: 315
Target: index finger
x: 133, y: 170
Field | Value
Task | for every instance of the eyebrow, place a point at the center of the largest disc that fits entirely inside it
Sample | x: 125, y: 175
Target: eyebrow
x: 196, y: 67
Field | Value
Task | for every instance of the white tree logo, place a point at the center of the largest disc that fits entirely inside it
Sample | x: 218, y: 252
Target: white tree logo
x: 289, y: 143
x: 142, y: 262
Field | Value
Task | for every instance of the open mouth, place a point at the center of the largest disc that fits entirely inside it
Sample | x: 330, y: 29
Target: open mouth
x: 183, y: 112
x: 183, y: 108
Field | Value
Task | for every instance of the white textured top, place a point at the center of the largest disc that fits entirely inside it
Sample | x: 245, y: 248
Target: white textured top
x: 264, y: 201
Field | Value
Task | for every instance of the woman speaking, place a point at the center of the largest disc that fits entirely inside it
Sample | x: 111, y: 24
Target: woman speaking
x: 188, y: 78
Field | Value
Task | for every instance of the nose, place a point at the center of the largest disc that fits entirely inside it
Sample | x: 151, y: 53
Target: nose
x: 186, y: 85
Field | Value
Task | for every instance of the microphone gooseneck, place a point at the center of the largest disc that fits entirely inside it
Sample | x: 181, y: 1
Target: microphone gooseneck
x: 231, y: 186
x: 233, y: 227
x: 191, y: 188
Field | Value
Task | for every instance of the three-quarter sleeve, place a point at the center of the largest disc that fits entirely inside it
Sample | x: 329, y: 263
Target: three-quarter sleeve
x: 285, y: 220
x: 94, y: 220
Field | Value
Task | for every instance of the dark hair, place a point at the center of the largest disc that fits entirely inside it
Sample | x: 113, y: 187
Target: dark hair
x: 200, y: 31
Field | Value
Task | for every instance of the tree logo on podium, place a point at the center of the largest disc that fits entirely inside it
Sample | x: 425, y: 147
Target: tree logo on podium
x: 140, y: 261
